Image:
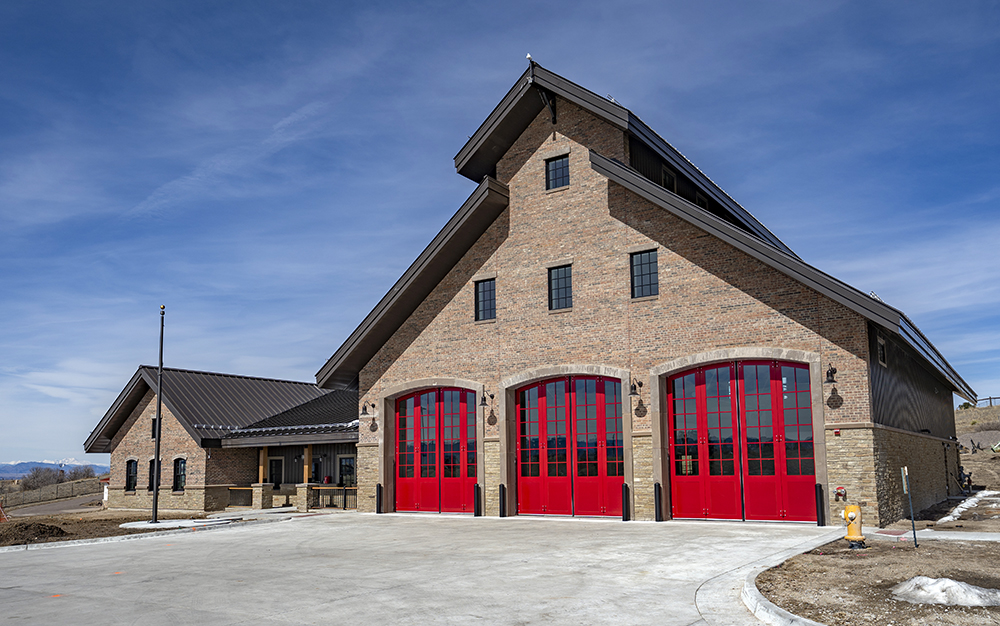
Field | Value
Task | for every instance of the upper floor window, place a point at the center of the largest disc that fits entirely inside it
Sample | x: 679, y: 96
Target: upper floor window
x: 701, y: 201
x: 668, y: 179
x: 131, y: 474
x: 645, y: 278
x: 152, y: 430
x: 557, y: 172
x: 881, y: 351
x: 486, y: 299
x: 561, y: 287
x: 180, y: 474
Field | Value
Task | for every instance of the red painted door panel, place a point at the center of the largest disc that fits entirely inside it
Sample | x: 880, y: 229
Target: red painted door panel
x: 436, y: 451
x: 569, y: 447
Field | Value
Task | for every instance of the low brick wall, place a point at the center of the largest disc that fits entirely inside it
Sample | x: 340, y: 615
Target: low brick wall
x: 60, y: 491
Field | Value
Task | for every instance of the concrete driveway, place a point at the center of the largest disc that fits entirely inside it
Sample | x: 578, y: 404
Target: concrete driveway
x: 384, y: 570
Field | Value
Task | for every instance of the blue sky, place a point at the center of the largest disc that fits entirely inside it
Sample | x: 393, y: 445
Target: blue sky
x: 268, y: 170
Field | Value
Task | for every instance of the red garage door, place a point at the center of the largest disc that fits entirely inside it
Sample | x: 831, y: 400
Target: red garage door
x: 741, y: 442
x: 570, y: 447
x: 436, y: 451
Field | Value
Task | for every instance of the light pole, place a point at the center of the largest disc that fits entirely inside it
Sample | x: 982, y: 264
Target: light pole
x: 159, y: 403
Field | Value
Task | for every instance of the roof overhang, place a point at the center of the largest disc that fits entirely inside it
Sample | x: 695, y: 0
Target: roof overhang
x: 461, y: 232
x: 101, y: 438
x: 880, y: 313
x: 290, y: 439
x: 480, y: 154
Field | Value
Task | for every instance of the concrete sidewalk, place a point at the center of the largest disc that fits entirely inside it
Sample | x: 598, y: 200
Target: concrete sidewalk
x: 406, y: 569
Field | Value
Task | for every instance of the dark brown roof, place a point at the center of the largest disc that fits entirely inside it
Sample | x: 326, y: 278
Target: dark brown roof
x: 479, y: 156
x: 207, y: 404
x: 334, y: 413
x: 884, y: 315
x: 480, y: 210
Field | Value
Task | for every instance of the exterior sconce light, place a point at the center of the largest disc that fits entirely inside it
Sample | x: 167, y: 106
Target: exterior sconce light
x: 483, y: 403
x: 830, y: 373
x: 634, y: 391
x: 364, y: 413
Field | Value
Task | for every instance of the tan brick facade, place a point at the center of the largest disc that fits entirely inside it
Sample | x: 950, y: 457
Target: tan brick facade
x: 712, y: 298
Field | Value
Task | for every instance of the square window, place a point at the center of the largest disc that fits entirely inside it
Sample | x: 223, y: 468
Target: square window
x: 557, y: 172
x: 645, y: 277
x: 486, y: 299
x: 561, y: 287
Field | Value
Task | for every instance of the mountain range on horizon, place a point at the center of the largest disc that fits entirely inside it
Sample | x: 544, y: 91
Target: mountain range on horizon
x: 18, y: 469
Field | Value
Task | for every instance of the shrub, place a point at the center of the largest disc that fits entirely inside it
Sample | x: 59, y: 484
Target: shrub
x: 80, y: 472
x: 40, y: 477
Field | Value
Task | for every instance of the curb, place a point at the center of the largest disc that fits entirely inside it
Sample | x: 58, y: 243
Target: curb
x: 136, y: 536
x: 765, y: 610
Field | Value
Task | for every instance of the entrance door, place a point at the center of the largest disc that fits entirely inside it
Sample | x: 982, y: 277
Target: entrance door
x: 275, y: 469
x: 570, y: 447
x: 741, y: 442
x: 436, y: 451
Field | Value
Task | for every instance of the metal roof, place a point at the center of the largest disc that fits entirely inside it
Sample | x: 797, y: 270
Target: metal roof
x: 463, y: 230
x: 207, y: 404
x: 884, y: 315
x: 334, y: 413
x: 479, y: 156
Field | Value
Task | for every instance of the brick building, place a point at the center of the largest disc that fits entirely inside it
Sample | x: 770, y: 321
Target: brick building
x: 601, y: 329
x: 227, y: 440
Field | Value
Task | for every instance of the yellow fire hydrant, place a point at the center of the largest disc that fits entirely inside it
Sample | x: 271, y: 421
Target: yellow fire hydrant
x: 852, y: 515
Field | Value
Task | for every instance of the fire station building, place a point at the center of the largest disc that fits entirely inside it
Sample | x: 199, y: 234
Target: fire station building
x: 600, y: 330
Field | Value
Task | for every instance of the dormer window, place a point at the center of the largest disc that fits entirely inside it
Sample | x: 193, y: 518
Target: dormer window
x: 557, y: 172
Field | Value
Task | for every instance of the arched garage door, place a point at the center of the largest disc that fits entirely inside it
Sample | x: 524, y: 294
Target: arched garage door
x: 570, y: 452
x: 436, y: 451
x: 741, y: 442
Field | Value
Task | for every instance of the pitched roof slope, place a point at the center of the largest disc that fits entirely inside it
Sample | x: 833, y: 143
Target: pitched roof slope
x: 334, y: 412
x: 207, y: 404
x: 479, y: 156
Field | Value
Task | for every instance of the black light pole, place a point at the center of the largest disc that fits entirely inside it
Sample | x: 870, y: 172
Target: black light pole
x: 159, y: 401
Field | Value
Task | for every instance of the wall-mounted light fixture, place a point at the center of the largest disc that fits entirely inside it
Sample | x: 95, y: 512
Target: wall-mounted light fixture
x: 483, y: 403
x: 634, y: 390
x: 830, y: 373
x: 364, y: 413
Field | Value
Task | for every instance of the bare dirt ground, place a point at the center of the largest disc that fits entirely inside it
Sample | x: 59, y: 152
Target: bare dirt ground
x: 834, y: 584
x: 46, y: 528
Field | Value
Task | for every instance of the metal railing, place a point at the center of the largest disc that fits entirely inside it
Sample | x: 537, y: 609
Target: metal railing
x: 989, y: 399
x: 241, y: 496
x: 336, y: 497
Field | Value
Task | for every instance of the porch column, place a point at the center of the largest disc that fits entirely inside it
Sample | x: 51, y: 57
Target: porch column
x: 261, y: 464
x: 307, y: 462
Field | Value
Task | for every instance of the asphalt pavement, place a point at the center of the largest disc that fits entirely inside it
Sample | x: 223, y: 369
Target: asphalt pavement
x: 366, y: 569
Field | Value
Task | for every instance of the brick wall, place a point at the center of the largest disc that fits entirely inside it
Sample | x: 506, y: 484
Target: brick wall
x: 231, y: 466
x: 134, y: 441
x: 712, y: 296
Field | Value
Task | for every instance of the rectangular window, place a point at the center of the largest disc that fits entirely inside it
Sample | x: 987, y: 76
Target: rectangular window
x: 486, y: 299
x: 131, y: 475
x: 152, y: 430
x: 345, y: 471
x: 668, y: 179
x: 561, y: 287
x: 557, y: 172
x: 180, y: 474
x: 881, y: 351
x: 152, y: 474
x: 645, y: 278
x: 701, y: 201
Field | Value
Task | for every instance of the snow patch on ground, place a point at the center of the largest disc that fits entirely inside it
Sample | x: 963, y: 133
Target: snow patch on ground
x: 967, y: 504
x: 924, y: 590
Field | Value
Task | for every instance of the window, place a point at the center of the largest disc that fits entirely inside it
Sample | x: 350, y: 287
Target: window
x: 701, y: 201
x: 645, y: 281
x: 557, y: 172
x: 668, y: 179
x: 345, y: 471
x: 881, y: 351
x: 152, y: 430
x: 180, y: 474
x: 131, y: 474
x: 561, y: 287
x: 152, y: 472
x: 486, y: 299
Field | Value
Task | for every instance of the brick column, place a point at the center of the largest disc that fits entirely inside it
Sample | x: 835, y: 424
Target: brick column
x: 263, y: 495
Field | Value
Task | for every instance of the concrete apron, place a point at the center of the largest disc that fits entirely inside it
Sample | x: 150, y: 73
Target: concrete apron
x: 408, y: 569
